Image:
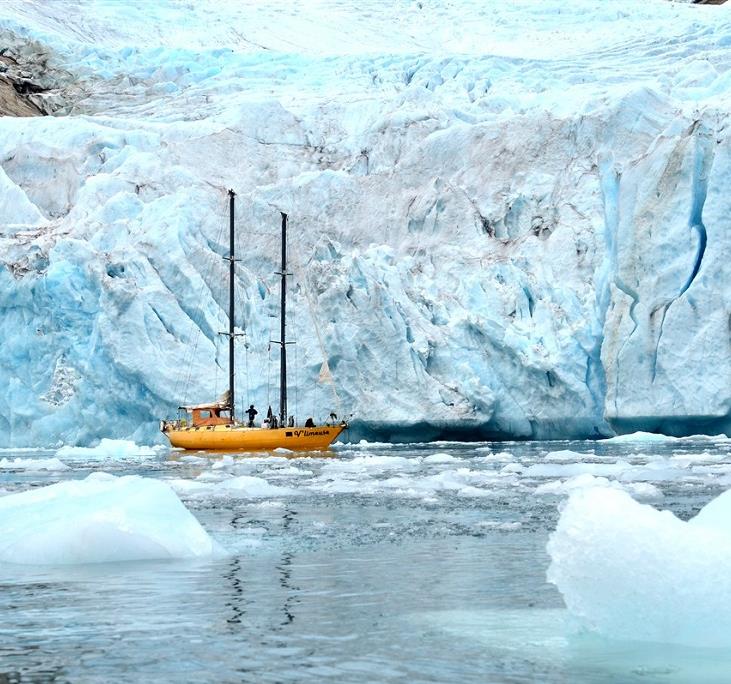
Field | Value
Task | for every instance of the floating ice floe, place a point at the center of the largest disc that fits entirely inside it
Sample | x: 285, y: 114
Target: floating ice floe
x: 629, y: 571
x: 566, y: 456
x: 242, y: 487
x: 571, y: 469
x: 363, y: 444
x: 462, y: 482
x: 33, y: 464
x: 370, y: 462
x: 100, y: 519
x: 653, y: 437
x: 496, y: 457
x: 641, y: 490
x: 110, y: 448
x: 441, y: 458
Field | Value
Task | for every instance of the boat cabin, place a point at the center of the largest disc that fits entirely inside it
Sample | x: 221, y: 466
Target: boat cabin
x: 209, y: 414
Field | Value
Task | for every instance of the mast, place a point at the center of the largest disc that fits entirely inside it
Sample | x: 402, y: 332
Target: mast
x: 282, y: 340
x: 231, y: 264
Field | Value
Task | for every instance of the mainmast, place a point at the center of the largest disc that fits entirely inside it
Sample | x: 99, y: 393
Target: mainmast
x: 231, y: 336
x: 282, y: 340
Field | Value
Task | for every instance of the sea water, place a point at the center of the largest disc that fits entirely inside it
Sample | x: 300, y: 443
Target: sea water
x: 370, y: 563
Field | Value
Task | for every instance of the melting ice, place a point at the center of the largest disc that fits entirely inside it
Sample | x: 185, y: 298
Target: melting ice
x: 102, y: 518
x: 629, y: 571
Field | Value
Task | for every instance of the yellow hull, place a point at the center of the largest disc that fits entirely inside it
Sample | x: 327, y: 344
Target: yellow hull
x: 240, y: 438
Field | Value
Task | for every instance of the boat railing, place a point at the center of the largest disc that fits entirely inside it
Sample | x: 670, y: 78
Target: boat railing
x: 179, y: 424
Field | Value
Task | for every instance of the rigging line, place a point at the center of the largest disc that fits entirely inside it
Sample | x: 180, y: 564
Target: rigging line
x: 269, y: 366
x: 215, y: 372
x: 318, y: 334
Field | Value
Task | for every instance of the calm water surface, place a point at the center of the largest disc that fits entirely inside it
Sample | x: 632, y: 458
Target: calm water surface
x: 409, y: 563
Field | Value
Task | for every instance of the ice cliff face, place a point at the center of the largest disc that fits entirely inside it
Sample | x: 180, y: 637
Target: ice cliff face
x: 507, y: 219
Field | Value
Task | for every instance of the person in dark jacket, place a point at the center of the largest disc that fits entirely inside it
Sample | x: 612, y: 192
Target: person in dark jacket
x: 252, y: 412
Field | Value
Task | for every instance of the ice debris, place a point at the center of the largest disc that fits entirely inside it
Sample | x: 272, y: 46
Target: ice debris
x: 640, y: 490
x: 629, y: 571
x: 33, y: 464
x: 100, y: 519
x: 109, y: 449
x: 657, y: 438
x: 242, y: 487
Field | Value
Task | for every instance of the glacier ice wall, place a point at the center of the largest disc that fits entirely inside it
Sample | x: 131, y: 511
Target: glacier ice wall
x: 507, y: 219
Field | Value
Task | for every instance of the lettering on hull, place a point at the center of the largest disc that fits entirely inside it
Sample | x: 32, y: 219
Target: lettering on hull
x: 307, y: 433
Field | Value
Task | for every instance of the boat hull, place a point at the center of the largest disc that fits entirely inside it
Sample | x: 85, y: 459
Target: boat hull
x: 240, y: 438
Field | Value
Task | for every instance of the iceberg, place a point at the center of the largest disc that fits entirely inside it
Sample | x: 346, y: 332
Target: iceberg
x: 100, y: 519
x: 489, y: 243
x: 631, y: 572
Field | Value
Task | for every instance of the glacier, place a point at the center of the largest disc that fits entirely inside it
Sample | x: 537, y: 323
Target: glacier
x: 507, y: 219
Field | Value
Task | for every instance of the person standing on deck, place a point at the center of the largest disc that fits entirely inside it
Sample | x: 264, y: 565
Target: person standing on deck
x: 252, y: 413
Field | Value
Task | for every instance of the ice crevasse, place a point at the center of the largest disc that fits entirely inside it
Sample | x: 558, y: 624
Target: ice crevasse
x: 630, y: 572
x: 520, y: 230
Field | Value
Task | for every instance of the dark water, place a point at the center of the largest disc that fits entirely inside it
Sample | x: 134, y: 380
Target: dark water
x: 416, y: 563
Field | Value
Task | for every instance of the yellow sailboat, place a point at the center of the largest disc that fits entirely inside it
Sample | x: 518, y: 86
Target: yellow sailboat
x: 214, y: 426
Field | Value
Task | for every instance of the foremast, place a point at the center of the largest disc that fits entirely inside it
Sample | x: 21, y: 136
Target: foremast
x: 282, y: 329
x: 231, y: 302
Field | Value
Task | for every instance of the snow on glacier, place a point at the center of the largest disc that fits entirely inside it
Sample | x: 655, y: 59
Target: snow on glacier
x: 102, y: 518
x: 629, y: 571
x: 512, y: 229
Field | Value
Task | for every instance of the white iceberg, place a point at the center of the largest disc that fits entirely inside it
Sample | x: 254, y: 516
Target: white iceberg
x: 100, y: 519
x: 629, y: 571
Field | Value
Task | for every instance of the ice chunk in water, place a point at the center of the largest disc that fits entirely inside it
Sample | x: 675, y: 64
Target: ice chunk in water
x: 441, y: 458
x: 207, y: 485
x: 629, y: 571
x: 32, y: 464
x: 99, y: 519
x: 109, y: 448
x: 641, y: 490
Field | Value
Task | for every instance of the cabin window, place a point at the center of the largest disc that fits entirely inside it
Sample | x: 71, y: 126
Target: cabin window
x: 205, y: 414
